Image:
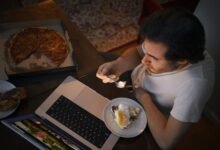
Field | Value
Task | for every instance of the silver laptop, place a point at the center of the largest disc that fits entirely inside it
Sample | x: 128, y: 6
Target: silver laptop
x: 86, y: 98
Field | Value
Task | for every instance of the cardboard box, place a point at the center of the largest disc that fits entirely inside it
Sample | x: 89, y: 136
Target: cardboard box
x: 7, y: 29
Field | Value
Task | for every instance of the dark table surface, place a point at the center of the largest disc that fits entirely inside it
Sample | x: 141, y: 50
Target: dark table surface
x: 40, y: 87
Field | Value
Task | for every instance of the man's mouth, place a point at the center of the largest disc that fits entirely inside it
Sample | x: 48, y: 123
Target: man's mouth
x: 148, y: 69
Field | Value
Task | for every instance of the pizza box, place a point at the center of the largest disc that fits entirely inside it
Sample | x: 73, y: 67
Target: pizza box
x: 7, y: 29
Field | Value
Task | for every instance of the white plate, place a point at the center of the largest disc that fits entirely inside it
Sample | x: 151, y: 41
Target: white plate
x: 136, y: 128
x: 6, y: 86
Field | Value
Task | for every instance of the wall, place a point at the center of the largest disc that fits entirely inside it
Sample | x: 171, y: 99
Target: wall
x: 208, y: 12
x: 6, y: 5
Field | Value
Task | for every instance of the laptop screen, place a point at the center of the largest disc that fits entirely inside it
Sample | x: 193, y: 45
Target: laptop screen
x: 42, y: 134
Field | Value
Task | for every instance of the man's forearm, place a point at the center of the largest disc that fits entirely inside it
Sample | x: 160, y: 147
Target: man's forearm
x: 157, y: 121
x: 166, y: 131
x: 129, y: 59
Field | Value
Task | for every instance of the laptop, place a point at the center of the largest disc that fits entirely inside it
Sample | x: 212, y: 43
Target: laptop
x: 73, y: 114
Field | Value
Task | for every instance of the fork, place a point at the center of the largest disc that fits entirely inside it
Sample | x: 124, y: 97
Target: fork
x: 119, y: 83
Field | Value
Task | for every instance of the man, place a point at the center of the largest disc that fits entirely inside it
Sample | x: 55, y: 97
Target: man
x: 173, y: 75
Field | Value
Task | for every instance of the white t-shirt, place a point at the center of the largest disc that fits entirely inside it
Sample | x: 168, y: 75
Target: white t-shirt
x: 182, y: 93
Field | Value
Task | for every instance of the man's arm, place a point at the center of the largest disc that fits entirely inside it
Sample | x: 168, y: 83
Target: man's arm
x: 166, y: 132
x: 127, y: 61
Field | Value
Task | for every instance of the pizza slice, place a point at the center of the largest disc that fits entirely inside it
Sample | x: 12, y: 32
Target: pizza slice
x: 21, y: 45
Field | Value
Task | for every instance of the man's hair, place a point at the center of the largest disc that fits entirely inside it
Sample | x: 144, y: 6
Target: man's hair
x: 180, y: 31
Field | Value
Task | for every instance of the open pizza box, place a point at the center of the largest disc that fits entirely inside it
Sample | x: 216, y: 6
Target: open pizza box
x: 8, y: 29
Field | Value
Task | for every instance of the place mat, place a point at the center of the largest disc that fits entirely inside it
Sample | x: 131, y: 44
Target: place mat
x: 107, y: 24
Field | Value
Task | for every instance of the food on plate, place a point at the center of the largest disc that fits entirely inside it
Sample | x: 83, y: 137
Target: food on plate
x: 30, y: 46
x: 124, y: 115
x: 10, y: 99
x: 16, y: 93
x: 8, y: 104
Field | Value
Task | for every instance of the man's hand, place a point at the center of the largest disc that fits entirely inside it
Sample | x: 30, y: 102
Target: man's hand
x: 107, y: 79
x: 109, y: 72
x: 113, y: 69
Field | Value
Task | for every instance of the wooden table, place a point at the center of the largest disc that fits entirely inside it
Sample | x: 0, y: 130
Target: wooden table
x: 87, y: 58
x: 39, y: 88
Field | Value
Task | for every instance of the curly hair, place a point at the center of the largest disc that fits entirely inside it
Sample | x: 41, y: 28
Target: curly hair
x: 179, y: 30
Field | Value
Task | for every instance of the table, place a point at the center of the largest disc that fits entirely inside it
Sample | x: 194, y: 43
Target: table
x: 39, y: 88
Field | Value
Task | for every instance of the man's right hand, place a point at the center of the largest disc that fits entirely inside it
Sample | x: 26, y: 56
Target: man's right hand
x: 108, y: 72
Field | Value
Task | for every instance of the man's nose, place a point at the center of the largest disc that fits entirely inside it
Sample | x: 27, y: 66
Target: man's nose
x: 146, y: 60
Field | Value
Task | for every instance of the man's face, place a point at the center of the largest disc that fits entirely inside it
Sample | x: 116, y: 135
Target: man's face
x: 154, y: 58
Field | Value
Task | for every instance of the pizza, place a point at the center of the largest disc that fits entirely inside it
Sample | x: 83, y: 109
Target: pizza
x: 36, y: 48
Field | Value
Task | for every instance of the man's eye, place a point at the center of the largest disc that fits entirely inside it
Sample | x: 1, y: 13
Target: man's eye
x: 155, y: 58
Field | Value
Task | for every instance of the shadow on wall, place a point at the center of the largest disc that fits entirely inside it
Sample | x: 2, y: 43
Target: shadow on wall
x: 208, y: 13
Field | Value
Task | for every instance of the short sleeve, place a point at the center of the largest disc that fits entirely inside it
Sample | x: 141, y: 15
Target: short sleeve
x: 191, y: 100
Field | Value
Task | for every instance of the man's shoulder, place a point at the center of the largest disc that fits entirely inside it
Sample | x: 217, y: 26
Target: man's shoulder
x: 206, y: 66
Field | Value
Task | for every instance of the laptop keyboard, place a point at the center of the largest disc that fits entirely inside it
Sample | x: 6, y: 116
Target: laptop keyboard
x: 80, y: 121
